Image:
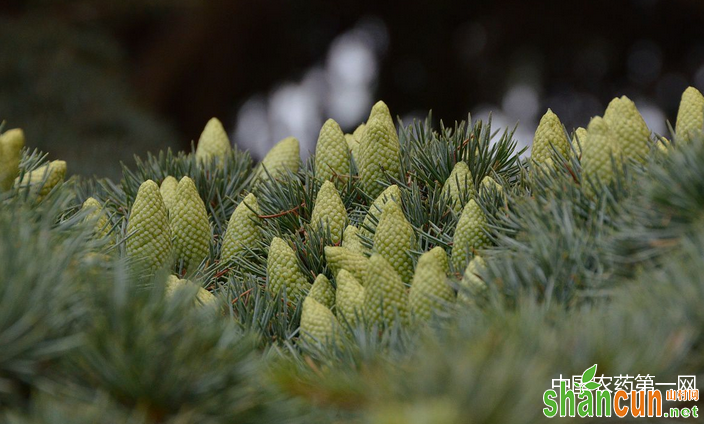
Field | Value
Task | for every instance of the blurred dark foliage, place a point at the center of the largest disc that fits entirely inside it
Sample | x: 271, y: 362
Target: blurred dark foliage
x: 92, y: 81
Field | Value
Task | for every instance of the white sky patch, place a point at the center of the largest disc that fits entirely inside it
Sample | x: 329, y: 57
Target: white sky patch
x: 342, y: 89
x: 654, y: 117
x: 521, y: 102
x: 500, y: 120
x: 252, y: 124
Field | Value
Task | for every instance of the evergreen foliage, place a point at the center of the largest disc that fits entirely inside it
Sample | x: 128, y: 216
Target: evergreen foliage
x: 565, y: 269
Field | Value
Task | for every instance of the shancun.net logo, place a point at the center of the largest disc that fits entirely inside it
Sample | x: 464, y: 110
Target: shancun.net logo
x: 590, y: 395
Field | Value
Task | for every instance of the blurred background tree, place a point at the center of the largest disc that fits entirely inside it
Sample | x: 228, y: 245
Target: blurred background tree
x: 96, y: 81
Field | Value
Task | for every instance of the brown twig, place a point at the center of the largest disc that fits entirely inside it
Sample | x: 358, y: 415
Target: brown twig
x: 574, y: 177
x: 243, y: 294
x: 277, y: 215
x: 221, y: 273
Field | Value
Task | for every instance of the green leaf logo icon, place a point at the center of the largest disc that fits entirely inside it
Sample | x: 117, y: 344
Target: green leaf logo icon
x: 588, y: 375
x: 587, y: 378
x: 592, y: 385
